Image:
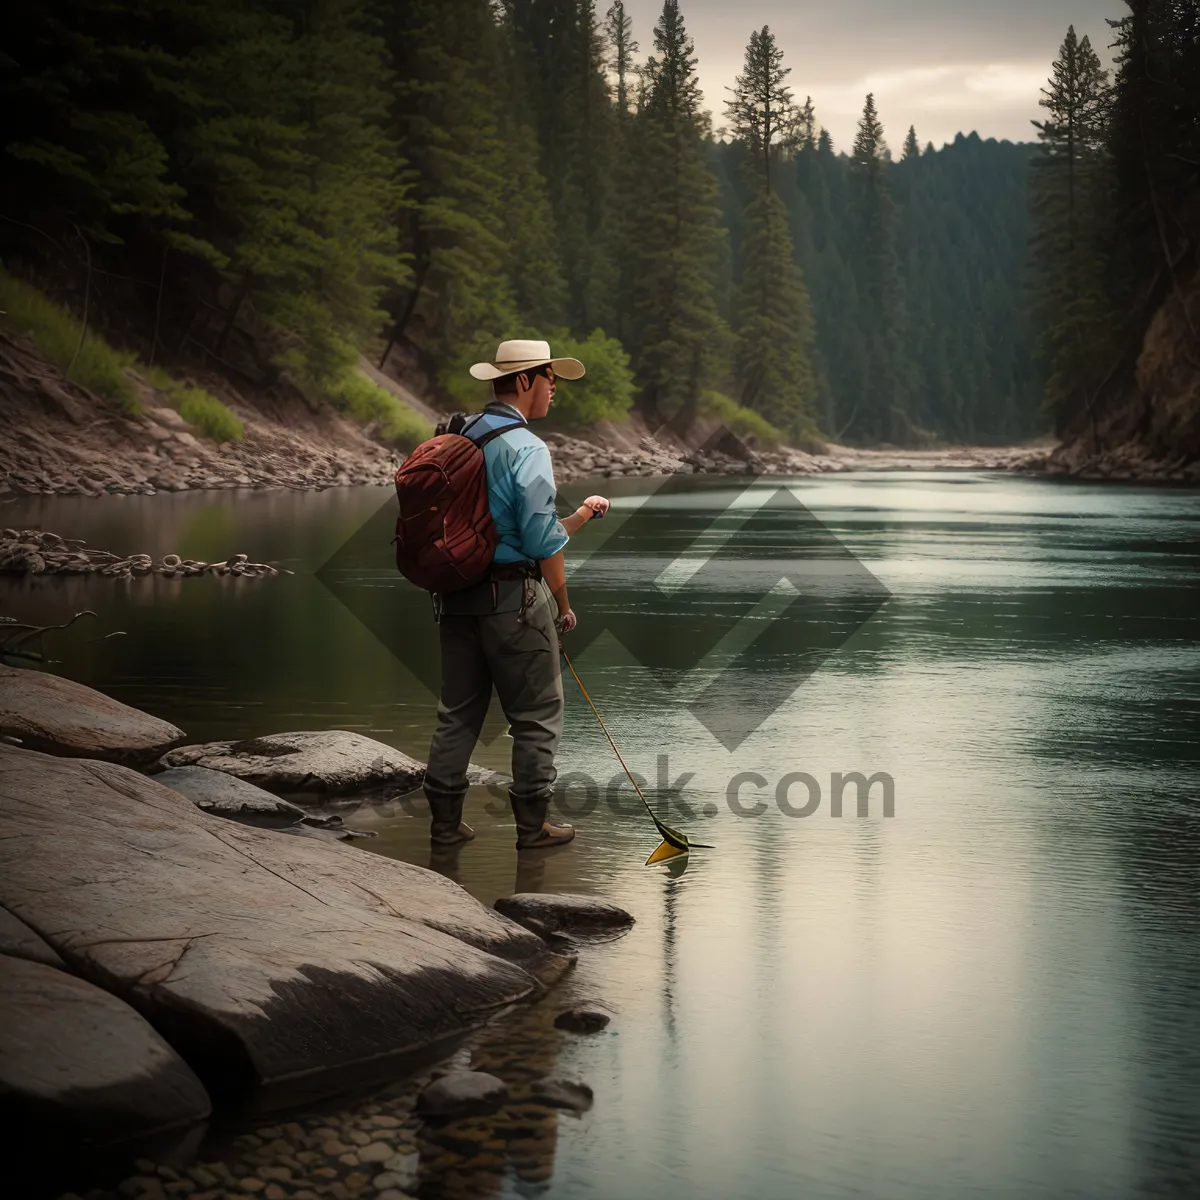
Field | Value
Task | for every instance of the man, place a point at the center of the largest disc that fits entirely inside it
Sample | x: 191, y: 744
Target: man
x: 504, y: 631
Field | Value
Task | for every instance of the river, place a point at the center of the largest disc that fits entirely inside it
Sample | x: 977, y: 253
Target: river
x: 993, y: 991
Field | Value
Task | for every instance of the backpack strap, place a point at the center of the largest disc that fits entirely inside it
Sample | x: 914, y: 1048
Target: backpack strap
x: 487, y: 435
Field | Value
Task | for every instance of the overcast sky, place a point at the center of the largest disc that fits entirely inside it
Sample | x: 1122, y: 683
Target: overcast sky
x: 944, y: 66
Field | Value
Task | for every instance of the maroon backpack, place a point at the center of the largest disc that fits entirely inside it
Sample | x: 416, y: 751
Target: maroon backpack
x: 445, y: 537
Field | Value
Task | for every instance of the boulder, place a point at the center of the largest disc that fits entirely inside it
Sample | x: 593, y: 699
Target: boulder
x: 462, y: 1094
x: 561, y: 1093
x: 60, y: 716
x: 557, y: 913
x: 267, y: 961
x: 581, y: 1020
x: 19, y: 941
x: 332, y: 762
x: 229, y: 796
x: 80, y: 1069
x: 478, y: 776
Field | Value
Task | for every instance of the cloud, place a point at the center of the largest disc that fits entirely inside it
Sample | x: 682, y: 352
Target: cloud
x: 999, y: 99
x: 944, y: 66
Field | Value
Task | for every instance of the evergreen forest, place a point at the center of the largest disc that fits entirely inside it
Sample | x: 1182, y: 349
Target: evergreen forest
x: 281, y: 186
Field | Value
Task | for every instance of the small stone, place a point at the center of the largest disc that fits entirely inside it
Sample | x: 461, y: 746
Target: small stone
x: 398, y: 1176
x: 384, y: 1123
x: 333, y: 1148
x: 356, y: 1181
x: 202, y: 1175
x: 358, y: 1137
x: 349, y: 1158
x: 276, y: 1174
x: 561, y: 1093
x: 563, y: 913
x: 581, y: 1020
x: 144, y: 1187
x: 376, y: 1152
x: 400, y: 1162
x: 391, y: 1194
x: 325, y: 1173
x: 463, y: 1093
x: 251, y: 1185
x: 275, y: 1192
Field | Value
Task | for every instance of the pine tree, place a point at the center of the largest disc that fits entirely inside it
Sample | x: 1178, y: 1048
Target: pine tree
x: 761, y: 110
x: 447, y: 110
x: 773, y: 314
x: 618, y: 25
x: 881, y: 406
x: 912, y: 148
x: 1067, y: 195
x: 87, y: 110
x: 292, y: 174
x: 559, y: 50
x: 676, y: 336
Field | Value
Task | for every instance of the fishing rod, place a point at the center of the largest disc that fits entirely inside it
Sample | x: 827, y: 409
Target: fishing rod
x: 673, y: 843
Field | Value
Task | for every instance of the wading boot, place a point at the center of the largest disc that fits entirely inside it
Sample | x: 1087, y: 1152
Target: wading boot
x: 446, y: 826
x: 445, y: 835
x: 534, y: 832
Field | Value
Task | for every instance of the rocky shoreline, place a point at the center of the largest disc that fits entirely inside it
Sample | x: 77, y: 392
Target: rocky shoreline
x: 62, y: 439
x: 66, y: 441
x: 36, y: 552
x: 1127, y: 462
x: 171, y: 951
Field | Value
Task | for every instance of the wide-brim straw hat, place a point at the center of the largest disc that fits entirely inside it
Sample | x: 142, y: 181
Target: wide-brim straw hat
x: 514, y: 356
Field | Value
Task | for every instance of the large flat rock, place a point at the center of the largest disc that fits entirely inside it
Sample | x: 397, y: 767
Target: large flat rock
x: 333, y: 761
x: 79, y: 1068
x: 60, y: 716
x: 19, y: 941
x: 264, y: 959
x: 228, y: 796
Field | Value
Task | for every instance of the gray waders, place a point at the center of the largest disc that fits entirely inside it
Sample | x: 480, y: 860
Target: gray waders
x: 499, y: 633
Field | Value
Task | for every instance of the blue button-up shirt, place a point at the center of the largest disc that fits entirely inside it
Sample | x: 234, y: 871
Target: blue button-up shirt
x: 521, y: 491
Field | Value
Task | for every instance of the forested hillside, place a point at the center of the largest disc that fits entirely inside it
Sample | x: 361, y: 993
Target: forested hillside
x: 932, y: 282
x: 1115, y: 195
x: 272, y: 187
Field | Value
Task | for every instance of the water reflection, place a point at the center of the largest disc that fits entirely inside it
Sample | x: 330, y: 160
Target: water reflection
x: 993, y: 993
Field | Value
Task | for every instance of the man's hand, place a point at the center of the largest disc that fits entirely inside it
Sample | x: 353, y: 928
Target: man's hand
x: 598, y: 504
x: 566, y: 621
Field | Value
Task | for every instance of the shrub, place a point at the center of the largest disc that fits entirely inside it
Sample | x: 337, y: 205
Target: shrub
x: 365, y: 401
x: 745, y: 423
x: 207, y: 414
x: 56, y: 333
x: 200, y: 409
x: 605, y: 392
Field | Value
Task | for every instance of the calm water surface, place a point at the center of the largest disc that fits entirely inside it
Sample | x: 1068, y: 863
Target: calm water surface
x: 995, y: 992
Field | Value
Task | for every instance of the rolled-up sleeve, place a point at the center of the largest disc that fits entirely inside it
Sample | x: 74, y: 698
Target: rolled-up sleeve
x: 542, y: 533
